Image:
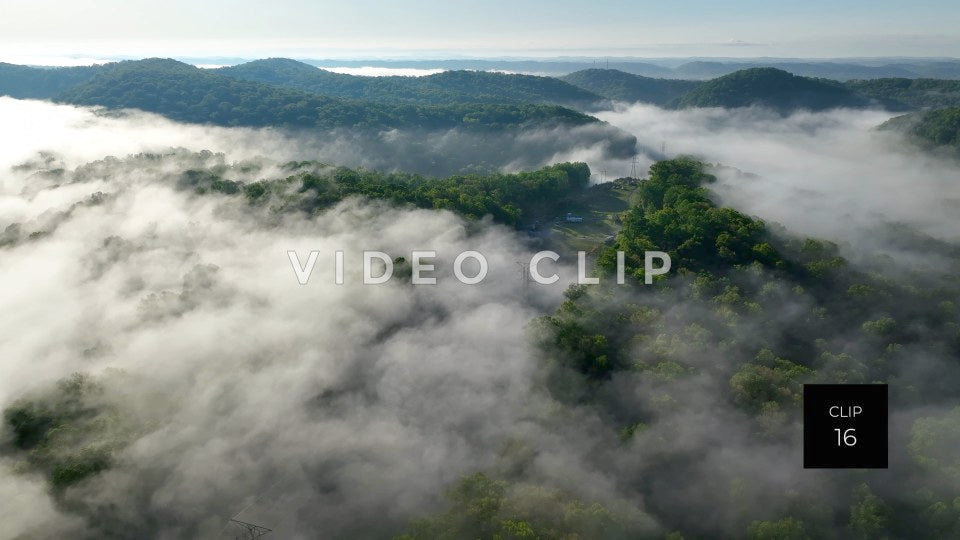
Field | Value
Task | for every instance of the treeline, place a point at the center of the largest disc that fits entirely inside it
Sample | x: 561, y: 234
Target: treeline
x: 312, y: 187
x: 511, y: 199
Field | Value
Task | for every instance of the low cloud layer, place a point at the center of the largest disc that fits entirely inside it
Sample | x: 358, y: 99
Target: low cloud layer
x: 827, y: 174
x: 344, y: 411
x: 78, y: 135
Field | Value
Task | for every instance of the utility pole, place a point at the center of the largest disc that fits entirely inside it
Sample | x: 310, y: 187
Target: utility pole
x: 248, y: 531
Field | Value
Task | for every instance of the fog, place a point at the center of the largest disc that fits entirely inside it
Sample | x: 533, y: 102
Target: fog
x: 827, y: 174
x: 78, y: 135
x: 345, y: 410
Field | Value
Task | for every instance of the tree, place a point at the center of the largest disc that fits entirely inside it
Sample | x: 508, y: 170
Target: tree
x: 869, y: 516
x: 784, y: 529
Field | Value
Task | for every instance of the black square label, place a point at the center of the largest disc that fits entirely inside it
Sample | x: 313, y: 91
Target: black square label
x: 845, y: 426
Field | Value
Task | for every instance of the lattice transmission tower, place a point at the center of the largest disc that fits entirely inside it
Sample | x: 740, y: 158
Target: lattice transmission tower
x: 248, y: 531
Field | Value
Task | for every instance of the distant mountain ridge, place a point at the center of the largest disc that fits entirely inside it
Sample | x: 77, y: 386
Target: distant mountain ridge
x: 906, y: 94
x: 772, y: 88
x: 441, y: 88
x: 189, y: 94
x: 286, y: 92
x: 829, y: 70
x: 622, y: 86
x: 695, y: 68
x: 25, y: 82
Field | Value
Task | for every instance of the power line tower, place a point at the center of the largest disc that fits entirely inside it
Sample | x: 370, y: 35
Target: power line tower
x: 248, y: 531
x: 633, y: 168
x: 524, y: 277
x: 603, y: 175
x: 663, y: 147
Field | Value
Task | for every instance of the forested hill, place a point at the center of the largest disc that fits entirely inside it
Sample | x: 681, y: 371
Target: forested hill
x: 774, y: 88
x: 933, y: 130
x: 526, y: 88
x: 438, y: 89
x: 286, y: 92
x: 904, y: 94
x: 622, y: 86
x: 189, y: 94
x: 25, y: 82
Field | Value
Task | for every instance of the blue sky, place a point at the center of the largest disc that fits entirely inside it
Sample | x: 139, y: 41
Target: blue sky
x: 365, y: 28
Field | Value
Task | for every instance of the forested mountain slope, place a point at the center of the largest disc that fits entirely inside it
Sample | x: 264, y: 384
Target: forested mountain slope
x: 909, y: 93
x: 25, y: 82
x: 189, y: 94
x: 622, y: 86
x: 774, y: 88
x: 937, y: 130
x: 442, y: 88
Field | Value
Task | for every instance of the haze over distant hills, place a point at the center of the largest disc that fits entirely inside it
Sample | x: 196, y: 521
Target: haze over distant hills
x: 689, y: 68
x: 289, y: 93
x: 697, y: 68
